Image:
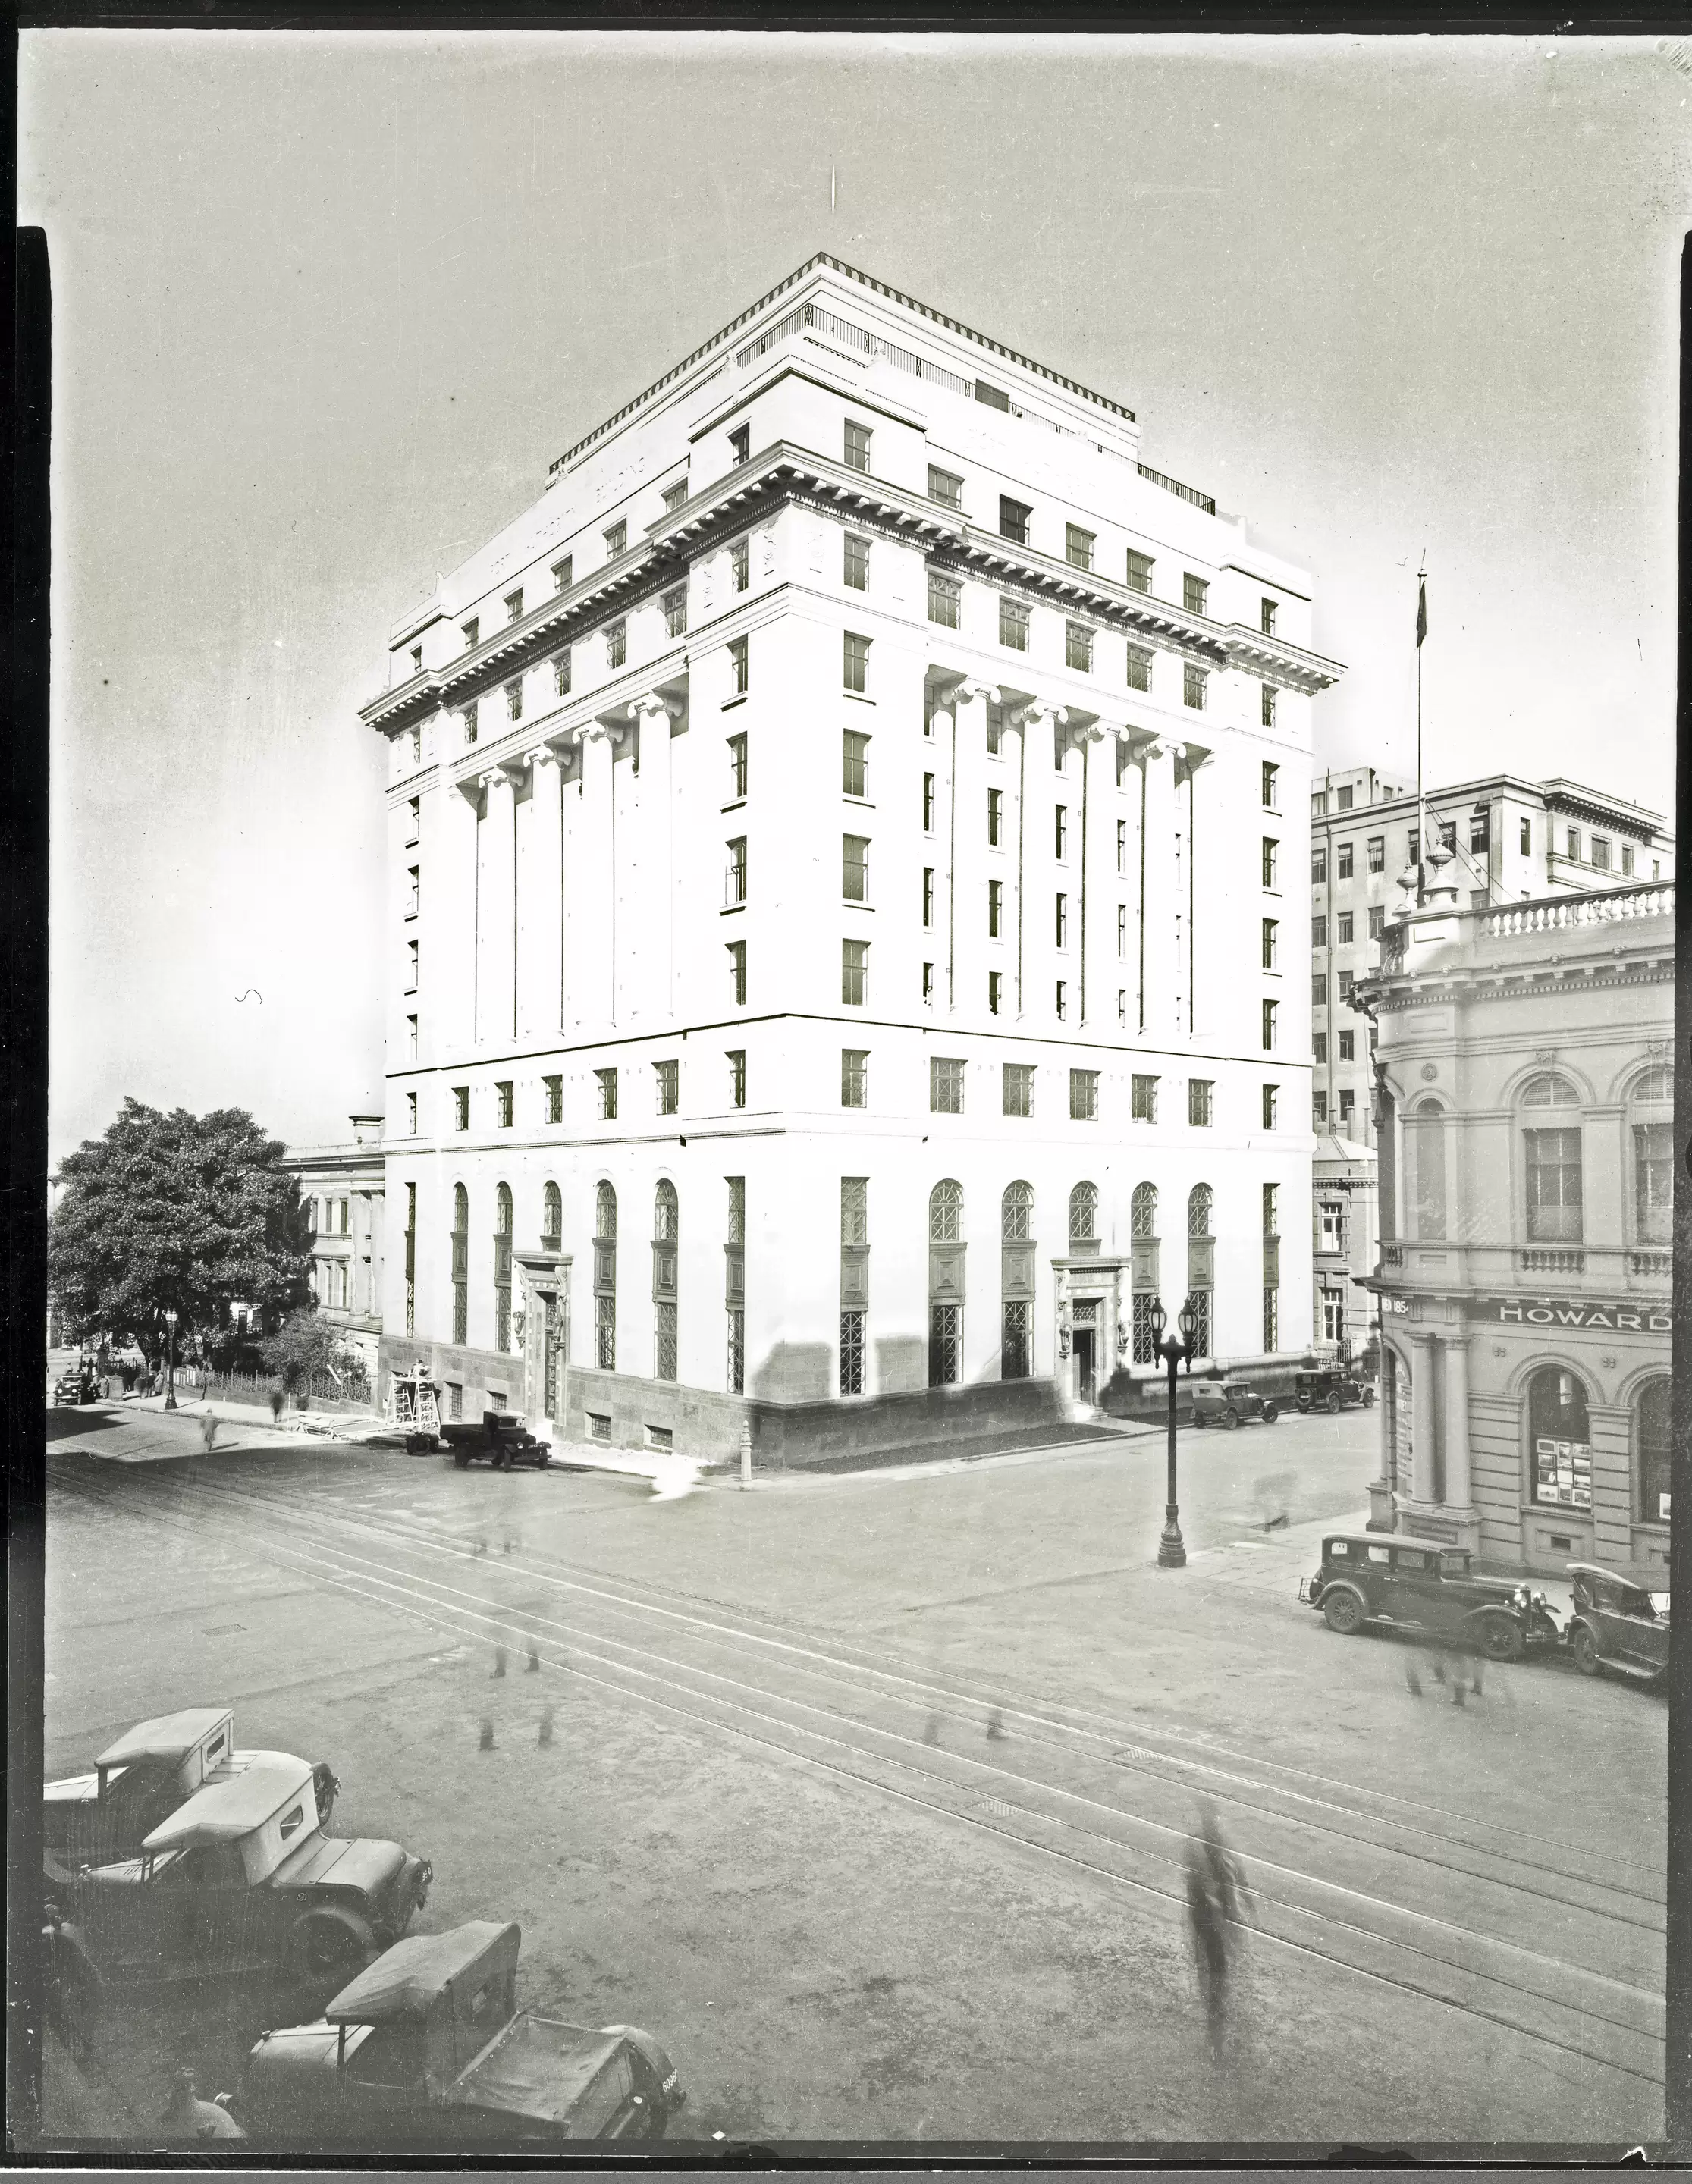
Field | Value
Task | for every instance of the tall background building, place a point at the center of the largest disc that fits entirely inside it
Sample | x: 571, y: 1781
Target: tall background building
x: 841, y: 839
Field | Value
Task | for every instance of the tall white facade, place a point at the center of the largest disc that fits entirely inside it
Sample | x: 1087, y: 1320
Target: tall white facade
x: 842, y: 837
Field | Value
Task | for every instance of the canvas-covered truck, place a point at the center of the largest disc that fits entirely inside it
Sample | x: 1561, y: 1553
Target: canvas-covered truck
x: 427, y: 2048
x: 139, y: 1781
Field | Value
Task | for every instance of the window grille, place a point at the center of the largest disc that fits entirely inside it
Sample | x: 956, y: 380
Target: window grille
x: 1143, y: 1094
x: 854, y: 1077
x: 1078, y: 646
x: 1084, y: 1214
x: 606, y: 1082
x: 945, y: 1085
x: 1077, y: 546
x: 669, y: 1077
x: 1013, y: 520
x: 736, y: 965
x: 1194, y: 594
x: 854, y: 763
x: 737, y: 1076
x: 944, y: 598
x: 855, y: 961
x: 945, y: 1343
x: 1194, y: 681
x: 1018, y: 1088
x: 857, y: 447
x: 1013, y: 624
x: 564, y: 573
x: 675, y: 611
x: 1140, y: 565
x: 616, y: 644
x: 560, y: 669
x: 855, y: 868
x: 852, y: 1353
x: 1201, y: 1093
x: 856, y: 570
x: 855, y: 655
x: 1084, y: 1095
x: 616, y: 538
x: 1140, y: 668
x: 945, y: 489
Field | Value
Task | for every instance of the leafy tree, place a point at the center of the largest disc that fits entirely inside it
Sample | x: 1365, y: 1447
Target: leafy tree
x: 304, y: 1345
x: 191, y: 1212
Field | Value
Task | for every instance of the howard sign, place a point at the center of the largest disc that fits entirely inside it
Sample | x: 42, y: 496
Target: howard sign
x: 1624, y: 1318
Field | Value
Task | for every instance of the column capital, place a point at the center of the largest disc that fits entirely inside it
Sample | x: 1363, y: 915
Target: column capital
x: 496, y: 776
x: 598, y: 731
x: 544, y: 755
x: 652, y: 703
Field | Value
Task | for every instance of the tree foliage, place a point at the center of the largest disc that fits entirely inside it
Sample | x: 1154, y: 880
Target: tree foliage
x: 191, y: 1212
x: 304, y: 1345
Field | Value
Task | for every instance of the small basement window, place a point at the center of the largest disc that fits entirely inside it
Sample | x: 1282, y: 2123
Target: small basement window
x: 660, y: 1437
x: 599, y: 1426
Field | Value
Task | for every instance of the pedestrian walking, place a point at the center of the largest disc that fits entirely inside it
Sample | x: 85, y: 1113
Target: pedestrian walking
x: 1217, y: 1895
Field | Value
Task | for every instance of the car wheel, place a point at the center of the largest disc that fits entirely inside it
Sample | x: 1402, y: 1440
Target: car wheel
x: 1333, y: 1399
x: 1500, y: 1639
x: 1368, y: 1398
x: 325, y: 1949
x: 1342, y: 1611
x: 461, y: 1459
x: 1269, y: 1414
x: 1230, y: 1419
x: 1584, y: 1647
x: 325, y: 1786
x: 1304, y: 1402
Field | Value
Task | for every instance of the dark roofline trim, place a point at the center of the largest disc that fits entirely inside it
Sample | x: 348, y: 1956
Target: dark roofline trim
x: 880, y: 288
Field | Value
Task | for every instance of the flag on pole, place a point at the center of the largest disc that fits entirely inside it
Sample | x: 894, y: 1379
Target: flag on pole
x: 1420, y: 608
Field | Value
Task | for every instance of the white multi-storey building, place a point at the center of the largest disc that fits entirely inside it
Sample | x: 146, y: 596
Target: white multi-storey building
x: 842, y: 841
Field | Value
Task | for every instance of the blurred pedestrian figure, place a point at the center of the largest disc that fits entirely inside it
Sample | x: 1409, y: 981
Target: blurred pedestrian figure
x: 209, y: 1425
x: 499, y: 1660
x: 1215, y: 1898
x: 481, y: 1547
x: 995, y: 1726
x: 534, y: 1659
x: 546, y: 1725
x: 486, y: 1743
x: 931, y: 1729
x: 1412, y: 1675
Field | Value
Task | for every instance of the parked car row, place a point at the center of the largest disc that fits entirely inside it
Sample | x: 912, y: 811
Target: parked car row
x: 179, y: 1856
x: 1619, y: 1619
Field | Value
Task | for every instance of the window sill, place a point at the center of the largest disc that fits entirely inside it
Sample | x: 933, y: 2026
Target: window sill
x: 739, y: 698
x: 847, y: 903
x: 863, y: 803
x: 857, y: 697
x: 730, y: 909
x: 738, y: 805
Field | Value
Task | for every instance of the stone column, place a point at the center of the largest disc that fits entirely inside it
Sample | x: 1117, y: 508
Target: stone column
x: 1041, y: 878
x: 972, y: 954
x: 540, y: 934
x: 593, y: 968
x: 1189, y: 758
x: 1094, y: 872
x: 1457, y: 1350
x: 496, y: 937
x: 650, y: 908
x: 1138, y: 878
x: 1422, y: 1428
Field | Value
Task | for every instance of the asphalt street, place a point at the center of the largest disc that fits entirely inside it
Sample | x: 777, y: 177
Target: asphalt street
x: 870, y: 1794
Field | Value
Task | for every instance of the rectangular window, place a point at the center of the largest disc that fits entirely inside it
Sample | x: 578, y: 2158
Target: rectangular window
x: 1271, y: 1209
x: 1121, y: 928
x: 1140, y: 668
x: 1266, y: 713
x: 739, y: 775
x: 1272, y: 778
x: 1121, y: 845
x: 945, y: 489
x: 736, y: 965
x: 564, y: 573
x: 472, y: 634
x: 1200, y: 1095
x: 1348, y: 979
x: 514, y: 605
x: 1346, y: 797
x: 1077, y: 546
x: 674, y: 604
x: 1346, y: 923
x: 1077, y: 646
x: 855, y: 868
x: 1013, y: 624
x: 740, y: 564
x: 1061, y: 1000
x: 1319, y: 1108
x: 1414, y: 852
x: 852, y: 1353
x: 555, y: 1089
x: 1319, y: 989
x: 854, y: 754
x: 513, y: 701
x: 736, y: 1059
x: 857, y: 446
x: 854, y: 1077
x: 669, y: 1077
x: 414, y: 820
x: 1318, y: 933
x: 1348, y: 1046
x: 1269, y: 1009
x: 995, y: 727
x: 1554, y: 1186
x: 606, y: 1082
x: 1377, y: 921
x: 1627, y: 860
x: 461, y: 1107
x: 616, y: 538
x: 1480, y: 835
x: 1654, y: 1182
x: 1139, y: 579
x: 1142, y: 1093
x: 1194, y: 681
x: 995, y: 908
x: 1059, y: 832
x: 1271, y: 1319
x: 1600, y: 853
x: 1017, y: 1087
x: 1319, y: 1046
x: 1195, y: 593
x: 855, y: 964
x: 945, y: 1085
x: 735, y: 890
x: 928, y: 803
x: 1084, y: 1094
x: 927, y: 984
x: 740, y: 664
x: 411, y: 1114
x: 856, y: 569
x: 560, y: 673
x: 943, y: 596
x: 674, y: 496
x: 855, y: 1212
x: 1348, y: 1102
x: 1013, y: 520
x: 856, y: 662
x: 995, y: 989
x: 1267, y: 613
x: 411, y: 966
x: 927, y: 895
x: 995, y: 813
x: 1319, y: 864
x: 1525, y: 838
x: 472, y: 727
x: 1272, y: 927
x: 1574, y: 843
x: 740, y: 445
x: 1061, y: 923
x: 1270, y: 846
x: 503, y: 1093
x: 411, y: 1036
x: 1378, y: 853
x: 616, y: 644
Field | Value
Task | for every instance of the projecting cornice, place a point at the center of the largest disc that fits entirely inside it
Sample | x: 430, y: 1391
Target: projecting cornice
x: 783, y: 474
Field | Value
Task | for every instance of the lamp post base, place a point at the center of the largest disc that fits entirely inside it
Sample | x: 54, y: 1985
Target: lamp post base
x: 1171, y: 1548
x: 169, y: 1399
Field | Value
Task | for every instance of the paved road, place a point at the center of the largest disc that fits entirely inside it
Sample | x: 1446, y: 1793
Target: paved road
x: 870, y: 1794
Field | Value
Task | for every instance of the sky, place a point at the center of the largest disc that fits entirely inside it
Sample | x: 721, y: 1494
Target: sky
x: 325, y: 306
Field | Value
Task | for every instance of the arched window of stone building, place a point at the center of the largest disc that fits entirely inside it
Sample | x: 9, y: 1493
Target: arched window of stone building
x: 1143, y: 1214
x: 1016, y: 1280
x: 1559, y: 1440
x: 1551, y: 1162
x: 460, y: 1263
x: 1651, y: 1441
x: 1427, y: 1128
x: 1199, y: 1201
x: 1083, y: 1215
x: 945, y: 1284
x: 606, y: 1277
x: 1651, y: 1105
x: 502, y: 1268
x: 667, y: 1230
x: 1201, y: 1263
x: 552, y: 1218
x: 1144, y: 1270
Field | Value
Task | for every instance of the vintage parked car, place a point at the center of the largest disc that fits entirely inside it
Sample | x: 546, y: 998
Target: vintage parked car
x: 428, y: 2046
x: 500, y: 1440
x: 242, y: 1879
x: 1330, y: 1387
x: 1416, y: 1585
x: 1620, y: 1621
x: 1226, y: 1402
x: 152, y: 1768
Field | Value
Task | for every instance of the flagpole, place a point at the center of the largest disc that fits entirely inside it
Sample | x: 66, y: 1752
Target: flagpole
x: 1420, y: 809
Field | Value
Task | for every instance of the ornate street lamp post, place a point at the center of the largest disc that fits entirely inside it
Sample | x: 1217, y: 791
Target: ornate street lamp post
x: 1175, y: 1350
x: 171, y: 1363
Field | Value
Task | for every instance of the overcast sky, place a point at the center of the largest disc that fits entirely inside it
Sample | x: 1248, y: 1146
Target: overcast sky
x: 326, y: 307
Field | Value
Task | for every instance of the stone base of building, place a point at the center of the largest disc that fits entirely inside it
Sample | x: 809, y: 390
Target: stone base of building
x: 481, y: 1375
x: 1383, y: 1515
x: 1440, y: 1524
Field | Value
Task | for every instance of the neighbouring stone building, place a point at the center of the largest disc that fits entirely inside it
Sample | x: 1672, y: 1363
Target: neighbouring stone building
x: 1527, y: 1062
x: 344, y: 1189
x: 840, y: 839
